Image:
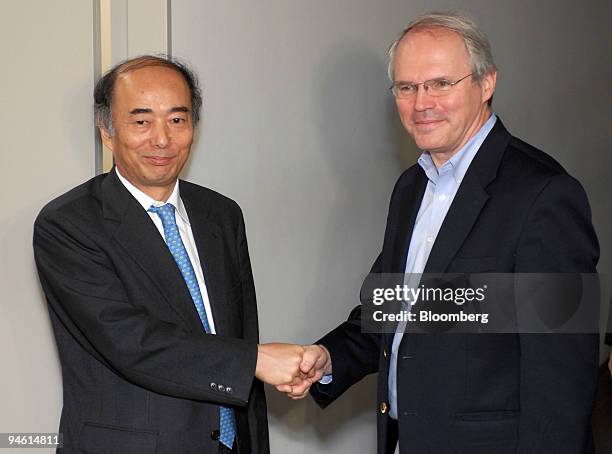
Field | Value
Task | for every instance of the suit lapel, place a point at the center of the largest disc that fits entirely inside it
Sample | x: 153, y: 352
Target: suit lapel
x: 138, y: 236
x: 471, y: 197
x: 406, y: 204
x: 211, y: 251
x: 459, y: 220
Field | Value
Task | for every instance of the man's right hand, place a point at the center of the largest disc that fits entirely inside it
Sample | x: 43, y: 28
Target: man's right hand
x: 279, y: 364
x: 316, y: 363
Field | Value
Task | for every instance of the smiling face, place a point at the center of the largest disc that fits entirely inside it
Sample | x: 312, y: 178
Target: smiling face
x: 153, y: 128
x: 440, y: 125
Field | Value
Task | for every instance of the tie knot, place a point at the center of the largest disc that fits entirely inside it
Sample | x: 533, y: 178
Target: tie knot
x: 165, y: 212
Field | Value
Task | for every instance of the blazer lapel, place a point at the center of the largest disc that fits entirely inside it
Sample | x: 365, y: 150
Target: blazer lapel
x: 461, y: 216
x: 138, y: 236
x: 471, y: 197
x: 406, y: 204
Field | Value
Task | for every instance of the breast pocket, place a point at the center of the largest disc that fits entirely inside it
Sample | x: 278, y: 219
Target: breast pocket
x: 473, y: 265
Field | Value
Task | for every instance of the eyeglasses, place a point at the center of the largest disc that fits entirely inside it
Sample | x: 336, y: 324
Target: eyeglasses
x: 433, y: 87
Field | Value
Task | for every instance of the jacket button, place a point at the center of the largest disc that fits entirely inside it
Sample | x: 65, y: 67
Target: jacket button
x: 229, y: 390
x: 385, y: 353
x: 221, y: 388
x: 383, y: 407
x: 215, y: 434
x: 213, y: 385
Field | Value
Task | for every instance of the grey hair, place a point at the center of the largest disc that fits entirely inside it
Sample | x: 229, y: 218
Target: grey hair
x: 105, y: 88
x: 476, y: 42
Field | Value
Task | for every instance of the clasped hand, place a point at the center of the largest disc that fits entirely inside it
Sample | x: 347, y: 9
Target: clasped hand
x: 292, y: 369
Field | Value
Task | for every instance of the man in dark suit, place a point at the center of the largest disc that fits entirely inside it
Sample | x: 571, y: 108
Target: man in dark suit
x: 478, y: 201
x: 150, y: 290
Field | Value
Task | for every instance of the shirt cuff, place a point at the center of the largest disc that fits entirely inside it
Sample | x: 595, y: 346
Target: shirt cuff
x: 326, y: 379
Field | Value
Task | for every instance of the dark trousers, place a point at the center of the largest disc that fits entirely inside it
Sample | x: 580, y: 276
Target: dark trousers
x: 392, y: 435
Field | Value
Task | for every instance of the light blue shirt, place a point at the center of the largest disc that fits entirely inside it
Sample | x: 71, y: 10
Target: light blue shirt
x: 439, y: 194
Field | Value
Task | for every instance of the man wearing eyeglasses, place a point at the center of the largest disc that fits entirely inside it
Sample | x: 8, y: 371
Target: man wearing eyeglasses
x: 478, y: 201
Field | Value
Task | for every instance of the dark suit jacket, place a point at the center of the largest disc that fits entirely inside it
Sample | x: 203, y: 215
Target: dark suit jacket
x: 140, y: 375
x: 516, y: 210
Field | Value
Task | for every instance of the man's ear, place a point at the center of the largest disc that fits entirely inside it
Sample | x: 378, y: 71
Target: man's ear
x: 488, y: 85
x: 105, y: 135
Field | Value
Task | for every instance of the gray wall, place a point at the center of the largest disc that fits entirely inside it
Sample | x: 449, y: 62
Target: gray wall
x: 47, y: 147
x: 299, y: 129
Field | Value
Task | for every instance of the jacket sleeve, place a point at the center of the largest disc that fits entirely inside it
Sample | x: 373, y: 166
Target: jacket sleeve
x: 257, y: 409
x: 558, y: 372
x: 85, y: 292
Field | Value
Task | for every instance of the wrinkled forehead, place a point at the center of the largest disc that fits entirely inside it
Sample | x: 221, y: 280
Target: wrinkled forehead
x: 432, y: 47
x: 151, y: 73
x: 425, y: 38
x: 151, y: 80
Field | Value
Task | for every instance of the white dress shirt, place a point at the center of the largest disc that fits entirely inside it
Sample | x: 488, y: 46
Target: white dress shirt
x: 184, y: 227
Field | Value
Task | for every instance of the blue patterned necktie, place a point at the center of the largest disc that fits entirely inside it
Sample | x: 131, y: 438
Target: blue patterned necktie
x: 165, y: 212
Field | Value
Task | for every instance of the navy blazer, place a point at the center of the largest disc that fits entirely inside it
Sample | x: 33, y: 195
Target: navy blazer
x: 516, y: 211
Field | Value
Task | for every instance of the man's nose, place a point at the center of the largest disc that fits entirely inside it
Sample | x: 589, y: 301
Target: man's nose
x: 160, y: 136
x: 423, y: 100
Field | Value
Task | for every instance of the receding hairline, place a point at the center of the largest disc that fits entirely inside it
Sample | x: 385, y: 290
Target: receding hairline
x: 104, y: 91
x: 123, y: 73
x: 146, y: 62
x: 435, y: 31
x: 122, y: 78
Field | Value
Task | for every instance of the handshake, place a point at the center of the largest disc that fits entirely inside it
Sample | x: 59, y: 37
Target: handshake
x: 292, y: 369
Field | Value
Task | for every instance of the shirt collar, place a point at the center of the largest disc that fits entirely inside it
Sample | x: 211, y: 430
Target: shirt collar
x: 145, y: 201
x: 459, y: 163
